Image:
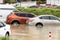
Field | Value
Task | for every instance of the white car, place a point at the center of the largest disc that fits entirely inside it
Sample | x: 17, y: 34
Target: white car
x: 4, y: 29
x: 44, y: 20
x: 5, y: 10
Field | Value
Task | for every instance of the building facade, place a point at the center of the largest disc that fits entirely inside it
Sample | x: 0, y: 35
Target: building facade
x: 53, y: 2
x: 3, y: 1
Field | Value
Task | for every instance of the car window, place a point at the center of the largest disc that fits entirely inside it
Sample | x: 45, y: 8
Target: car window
x: 17, y: 14
x: 30, y: 15
x: 44, y: 17
x: 21, y: 14
x: 53, y: 18
x: 1, y: 24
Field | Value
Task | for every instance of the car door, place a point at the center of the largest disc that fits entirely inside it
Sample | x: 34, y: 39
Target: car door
x: 55, y: 21
x: 2, y: 29
x: 23, y: 17
x: 45, y: 20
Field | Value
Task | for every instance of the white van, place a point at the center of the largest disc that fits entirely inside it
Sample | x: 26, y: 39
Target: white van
x: 5, y: 10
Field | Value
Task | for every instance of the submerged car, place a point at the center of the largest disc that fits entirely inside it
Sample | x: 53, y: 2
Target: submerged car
x: 44, y: 20
x: 4, y: 29
x: 16, y: 18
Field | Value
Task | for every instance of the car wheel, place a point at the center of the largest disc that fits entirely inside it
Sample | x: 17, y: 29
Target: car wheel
x: 15, y: 24
x: 39, y: 25
x: 7, y: 35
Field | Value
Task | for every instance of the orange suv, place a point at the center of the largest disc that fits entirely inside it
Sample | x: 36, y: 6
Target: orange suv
x: 19, y: 17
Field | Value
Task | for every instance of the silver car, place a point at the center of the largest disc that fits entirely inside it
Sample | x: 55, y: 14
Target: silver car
x: 44, y: 20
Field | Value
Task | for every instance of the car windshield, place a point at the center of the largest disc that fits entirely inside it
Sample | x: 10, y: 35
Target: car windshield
x: 1, y: 24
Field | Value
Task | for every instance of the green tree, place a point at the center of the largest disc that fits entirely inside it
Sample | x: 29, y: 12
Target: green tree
x: 40, y: 1
x: 9, y: 1
x: 12, y: 1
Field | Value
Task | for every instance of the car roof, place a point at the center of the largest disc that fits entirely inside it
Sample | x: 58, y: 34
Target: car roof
x: 25, y: 13
x: 46, y: 15
x: 20, y: 12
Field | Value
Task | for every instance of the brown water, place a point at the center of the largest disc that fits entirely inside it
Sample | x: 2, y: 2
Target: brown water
x: 24, y: 32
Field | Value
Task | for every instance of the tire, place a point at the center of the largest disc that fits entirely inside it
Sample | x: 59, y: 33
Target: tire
x: 39, y: 25
x: 15, y: 23
x: 7, y: 34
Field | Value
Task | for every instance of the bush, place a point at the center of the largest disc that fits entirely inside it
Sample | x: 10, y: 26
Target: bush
x: 4, y: 38
x: 58, y: 7
x: 42, y: 11
x: 40, y: 2
x: 9, y: 1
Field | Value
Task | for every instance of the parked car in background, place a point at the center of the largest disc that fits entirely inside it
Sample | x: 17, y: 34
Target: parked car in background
x: 44, y: 20
x: 33, y: 6
x: 16, y: 18
x: 8, y: 7
x: 4, y: 29
x: 5, y: 10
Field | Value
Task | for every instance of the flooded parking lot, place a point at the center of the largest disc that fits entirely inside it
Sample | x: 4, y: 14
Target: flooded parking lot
x: 24, y: 32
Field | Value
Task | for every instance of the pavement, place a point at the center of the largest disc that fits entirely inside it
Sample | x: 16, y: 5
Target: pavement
x: 24, y: 32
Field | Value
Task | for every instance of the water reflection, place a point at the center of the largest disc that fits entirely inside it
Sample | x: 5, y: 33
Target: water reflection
x: 24, y: 32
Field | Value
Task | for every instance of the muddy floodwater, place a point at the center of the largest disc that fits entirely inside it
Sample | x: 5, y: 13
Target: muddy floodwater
x: 24, y: 32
